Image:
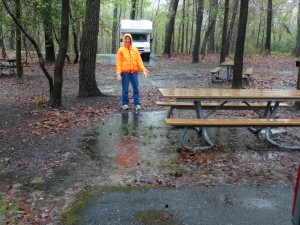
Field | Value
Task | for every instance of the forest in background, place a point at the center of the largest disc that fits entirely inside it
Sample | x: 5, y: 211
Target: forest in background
x: 41, y: 18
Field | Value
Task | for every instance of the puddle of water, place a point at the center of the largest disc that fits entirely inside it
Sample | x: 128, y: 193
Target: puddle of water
x: 130, y: 139
x: 284, y: 73
x: 136, y: 146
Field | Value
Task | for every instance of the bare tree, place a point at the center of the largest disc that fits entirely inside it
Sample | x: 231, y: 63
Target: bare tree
x: 237, y: 82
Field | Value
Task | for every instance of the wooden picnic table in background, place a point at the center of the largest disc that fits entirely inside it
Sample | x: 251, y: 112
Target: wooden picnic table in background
x: 9, y: 64
x: 229, y: 65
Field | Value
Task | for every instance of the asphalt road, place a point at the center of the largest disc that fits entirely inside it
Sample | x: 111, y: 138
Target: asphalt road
x: 222, y: 205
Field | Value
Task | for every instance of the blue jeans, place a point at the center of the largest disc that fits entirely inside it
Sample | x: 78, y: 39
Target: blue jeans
x: 133, y: 79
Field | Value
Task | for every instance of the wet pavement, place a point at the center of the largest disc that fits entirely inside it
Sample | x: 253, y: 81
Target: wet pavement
x: 130, y: 146
x: 224, y: 205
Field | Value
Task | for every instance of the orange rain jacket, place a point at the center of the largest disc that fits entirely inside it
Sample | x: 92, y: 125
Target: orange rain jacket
x: 129, y: 59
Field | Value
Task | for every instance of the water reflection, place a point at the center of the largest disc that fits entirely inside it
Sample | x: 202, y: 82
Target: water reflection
x: 128, y: 144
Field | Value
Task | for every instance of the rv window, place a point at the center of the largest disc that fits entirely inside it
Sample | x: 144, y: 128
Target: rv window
x: 139, y: 37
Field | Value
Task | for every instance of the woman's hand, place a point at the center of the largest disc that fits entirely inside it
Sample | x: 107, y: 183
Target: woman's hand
x: 119, y: 77
x: 145, y: 73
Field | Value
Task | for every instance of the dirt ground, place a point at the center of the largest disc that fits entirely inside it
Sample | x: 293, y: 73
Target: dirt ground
x: 43, y: 165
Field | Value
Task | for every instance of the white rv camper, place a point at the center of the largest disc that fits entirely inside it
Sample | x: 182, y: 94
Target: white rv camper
x: 140, y: 31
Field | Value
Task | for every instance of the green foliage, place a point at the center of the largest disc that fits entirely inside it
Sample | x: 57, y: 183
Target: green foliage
x: 35, y: 12
x: 285, y: 45
x: 145, y: 136
x: 7, y: 207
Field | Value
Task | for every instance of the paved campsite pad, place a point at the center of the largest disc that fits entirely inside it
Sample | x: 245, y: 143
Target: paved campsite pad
x: 223, y: 205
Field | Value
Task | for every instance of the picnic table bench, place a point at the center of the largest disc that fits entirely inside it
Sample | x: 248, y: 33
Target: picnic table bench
x: 271, y: 97
x: 248, y: 74
x: 7, y: 64
x: 189, y: 105
x: 215, y: 74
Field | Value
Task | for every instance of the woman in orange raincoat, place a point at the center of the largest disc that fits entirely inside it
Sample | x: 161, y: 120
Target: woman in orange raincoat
x: 128, y: 64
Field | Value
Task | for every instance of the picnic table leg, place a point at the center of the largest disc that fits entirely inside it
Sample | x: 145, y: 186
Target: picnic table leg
x: 228, y: 72
x: 200, y: 131
x: 12, y: 67
x: 268, y: 132
x: 268, y: 110
x: 170, y: 112
x: 200, y: 115
x: 186, y: 146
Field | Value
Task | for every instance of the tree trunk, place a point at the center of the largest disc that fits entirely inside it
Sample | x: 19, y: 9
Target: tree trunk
x: 297, y: 104
x: 75, y: 37
x: 3, y: 52
x: 63, y: 47
x: 211, y: 25
x: 142, y: 9
x: 211, y: 39
x: 269, y: 28
x: 187, y: 30
x: 182, y: 27
x: 199, y: 18
x: 297, y: 53
x: 224, y: 32
x: 48, y: 33
x: 170, y: 27
x: 297, y: 48
x: 192, y: 28
x: 114, y: 31
x: 237, y: 82
x: 18, y: 42
x: 12, y: 39
x: 258, y: 45
x: 133, y: 10
x: 231, y: 26
x: 87, y: 78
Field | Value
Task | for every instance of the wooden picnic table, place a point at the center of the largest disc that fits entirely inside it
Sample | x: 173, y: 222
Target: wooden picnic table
x: 9, y: 64
x: 229, y: 65
x: 266, y: 119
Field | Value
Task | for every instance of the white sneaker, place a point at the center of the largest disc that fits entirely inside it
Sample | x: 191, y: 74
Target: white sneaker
x: 137, y: 107
x: 125, y: 107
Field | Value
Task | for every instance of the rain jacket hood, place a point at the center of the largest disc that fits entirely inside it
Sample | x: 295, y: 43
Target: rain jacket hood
x: 124, y: 41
